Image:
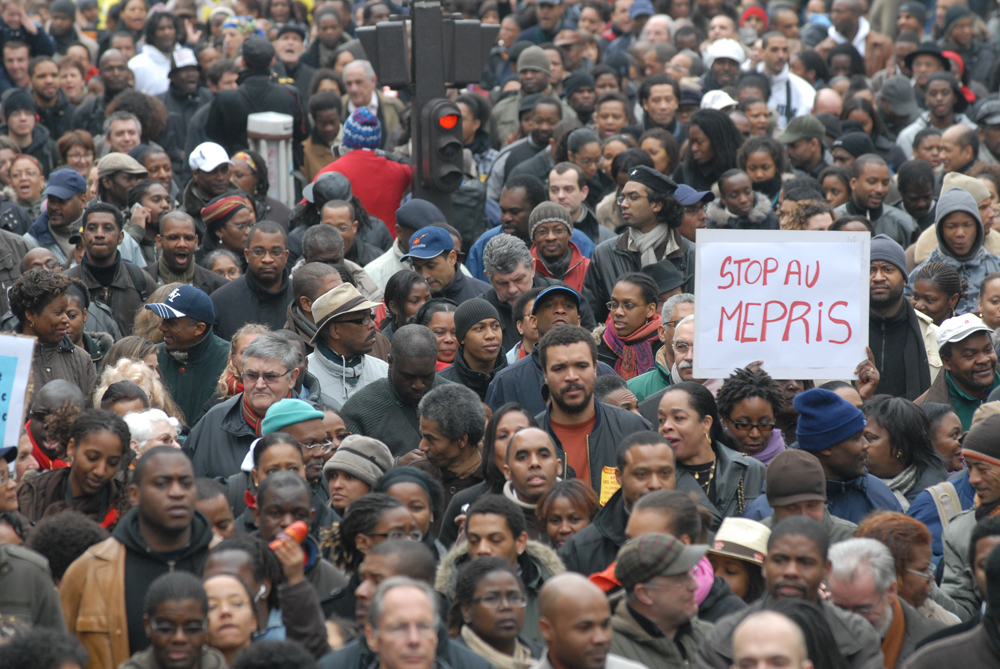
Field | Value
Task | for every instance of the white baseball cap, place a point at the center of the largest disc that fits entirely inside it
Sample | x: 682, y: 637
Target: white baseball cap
x: 724, y: 48
x: 717, y: 99
x: 959, y: 327
x: 183, y: 58
x: 207, y: 156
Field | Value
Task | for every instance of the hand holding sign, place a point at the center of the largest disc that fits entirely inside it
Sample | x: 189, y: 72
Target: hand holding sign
x: 797, y: 300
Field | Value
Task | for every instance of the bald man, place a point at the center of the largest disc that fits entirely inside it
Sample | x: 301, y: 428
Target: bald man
x: 40, y: 257
x: 769, y: 639
x: 828, y: 101
x: 576, y: 625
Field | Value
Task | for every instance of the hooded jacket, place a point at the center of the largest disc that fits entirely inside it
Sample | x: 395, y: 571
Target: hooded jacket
x: 613, y: 258
x: 855, y: 637
x: 538, y: 563
x: 460, y: 372
x: 761, y: 216
x: 245, y: 300
x: 975, y: 265
x: 42, y: 147
x: 791, y: 95
x: 338, y: 382
x: 220, y: 440
x: 104, y: 615
x: 577, y: 269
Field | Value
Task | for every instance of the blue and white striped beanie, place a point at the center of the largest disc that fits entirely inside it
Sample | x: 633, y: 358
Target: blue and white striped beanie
x: 362, y: 130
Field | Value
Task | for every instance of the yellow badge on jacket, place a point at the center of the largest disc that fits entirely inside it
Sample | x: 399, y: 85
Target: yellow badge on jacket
x: 609, y: 484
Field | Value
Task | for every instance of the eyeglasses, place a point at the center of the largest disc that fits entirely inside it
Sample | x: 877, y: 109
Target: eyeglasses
x: 80, y: 156
x: 681, y: 347
x: 258, y: 252
x: 587, y: 162
x: 5, y: 476
x: 246, y: 226
x: 423, y: 630
x: 748, y: 427
x: 363, y: 320
x: 270, y: 378
x: 414, y: 535
x: 927, y: 573
x: 326, y: 445
x: 166, y: 629
x: 516, y: 600
x: 631, y: 197
x: 627, y: 306
x: 50, y: 264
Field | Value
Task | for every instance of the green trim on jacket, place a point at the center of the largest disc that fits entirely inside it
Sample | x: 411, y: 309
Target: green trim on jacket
x: 193, y: 382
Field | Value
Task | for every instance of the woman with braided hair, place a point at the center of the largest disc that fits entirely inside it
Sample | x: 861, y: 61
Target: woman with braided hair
x: 228, y: 219
x: 369, y: 521
x: 937, y: 289
x: 749, y: 401
x: 250, y: 173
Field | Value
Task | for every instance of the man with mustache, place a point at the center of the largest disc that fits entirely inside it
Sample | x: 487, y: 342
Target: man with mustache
x: 869, y: 188
x: 795, y: 566
x: 970, y: 367
x: 831, y: 428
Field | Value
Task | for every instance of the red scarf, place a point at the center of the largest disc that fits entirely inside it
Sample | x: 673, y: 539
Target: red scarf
x: 233, y: 385
x: 45, y: 463
x: 251, y: 417
x: 635, y: 352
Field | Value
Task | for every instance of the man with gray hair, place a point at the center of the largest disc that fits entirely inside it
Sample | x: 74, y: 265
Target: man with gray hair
x: 510, y: 270
x: 452, y: 422
x: 674, y: 310
x: 402, y: 625
x: 387, y: 409
x: 122, y: 132
x: 362, y: 91
x: 220, y: 440
x: 150, y: 428
x: 863, y: 580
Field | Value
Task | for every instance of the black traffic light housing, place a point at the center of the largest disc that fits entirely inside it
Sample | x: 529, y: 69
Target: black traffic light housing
x: 441, y: 134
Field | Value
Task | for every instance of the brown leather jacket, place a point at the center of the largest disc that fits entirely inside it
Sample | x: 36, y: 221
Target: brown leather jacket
x: 92, y: 593
x: 879, y: 52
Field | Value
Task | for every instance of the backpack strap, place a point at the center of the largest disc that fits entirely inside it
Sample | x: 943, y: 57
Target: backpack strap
x: 138, y: 279
x: 946, y: 501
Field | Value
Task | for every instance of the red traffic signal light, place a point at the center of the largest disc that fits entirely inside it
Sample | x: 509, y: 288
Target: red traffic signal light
x: 441, y: 143
x: 449, y: 121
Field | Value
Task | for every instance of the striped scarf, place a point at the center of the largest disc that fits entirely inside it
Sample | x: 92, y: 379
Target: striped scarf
x: 635, y: 352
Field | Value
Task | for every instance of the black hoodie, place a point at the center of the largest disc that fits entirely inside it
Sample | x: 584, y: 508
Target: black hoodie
x: 143, y: 566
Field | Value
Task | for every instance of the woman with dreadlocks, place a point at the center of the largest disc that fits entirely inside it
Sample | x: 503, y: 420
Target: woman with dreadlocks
x: 748, y: 403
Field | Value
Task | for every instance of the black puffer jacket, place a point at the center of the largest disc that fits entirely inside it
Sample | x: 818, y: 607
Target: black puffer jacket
x: 244, y: 300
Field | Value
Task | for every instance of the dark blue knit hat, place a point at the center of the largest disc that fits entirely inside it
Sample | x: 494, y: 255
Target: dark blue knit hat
x: 362, y: 130
x: 825, y: 419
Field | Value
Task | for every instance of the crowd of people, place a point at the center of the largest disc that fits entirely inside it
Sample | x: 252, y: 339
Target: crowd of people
x: 351, y: 431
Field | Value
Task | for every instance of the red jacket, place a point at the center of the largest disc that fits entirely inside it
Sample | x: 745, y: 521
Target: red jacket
x: 578, y: 265
x: 378, y: 182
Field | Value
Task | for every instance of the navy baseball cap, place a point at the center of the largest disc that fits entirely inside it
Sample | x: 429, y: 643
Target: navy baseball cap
x: 65, y: 183
x: 8, y: 453
x: 429, y: 242
x: 641, y: 8
x: 186, y: 301
x: 688, y: 196
x: 552, y: 290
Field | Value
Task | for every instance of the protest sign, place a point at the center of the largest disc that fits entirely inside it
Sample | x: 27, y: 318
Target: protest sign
x: 795, y: 299
x: 15, y: 371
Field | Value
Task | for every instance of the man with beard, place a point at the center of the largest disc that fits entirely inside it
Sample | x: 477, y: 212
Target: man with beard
x: 970, y: 367
x: 178, y: 241
x: 114, y: 73
x: 54, y: 109
x: 387, y: 408
x: 832, y: 429
x: 863, y: 580
x: 803, y: 139
x: 585, y: 430
x: 544, y: 116
x: 723, y: 60
x: 795, y: 566
x: 534, y: 72
x: 869, y: 188
x: 894, y: 333
x: 660, y: 96
x: 54, y: 228
x: 108, y: 277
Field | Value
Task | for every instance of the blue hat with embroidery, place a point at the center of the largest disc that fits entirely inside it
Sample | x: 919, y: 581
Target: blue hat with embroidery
x: 429, y: 242
x: 362, y: 130
x: 186, y: 301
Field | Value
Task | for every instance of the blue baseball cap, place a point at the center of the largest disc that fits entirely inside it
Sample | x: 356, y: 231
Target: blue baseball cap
x: 688, y: 196
x: 186, y: 301
x: 552, y: 290
x: 8, y: 453
x: 641, y: 8
x: 429, y: 242
x: 65, y: 183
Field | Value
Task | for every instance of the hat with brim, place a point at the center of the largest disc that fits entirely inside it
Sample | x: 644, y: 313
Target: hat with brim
x: 927, y: 49
x: 119, y: 162
x: 652, y: 555
x: 741, y: 538
x: 328, y: 186
x: 8, y: 453
x: 552, y: 290
x: 989, y: 113
x: 341, y: 301
x: 688, y: 196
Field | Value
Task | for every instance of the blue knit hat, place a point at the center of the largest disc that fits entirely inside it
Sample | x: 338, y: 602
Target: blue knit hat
x: 362, y: 130
x: 287, y: 412
x: 825, y: 419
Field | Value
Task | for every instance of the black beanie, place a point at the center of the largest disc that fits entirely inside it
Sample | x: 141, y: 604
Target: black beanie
x: 471, y: 312
x: 981, y: 441
x: 19, y: 100
x: 855, y: 143
x: 257, y: 53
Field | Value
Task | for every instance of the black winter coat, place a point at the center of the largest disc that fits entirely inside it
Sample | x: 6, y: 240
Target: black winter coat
x: 227, y: 117
x: 244, y: 301
x: 522, y: 382
x: 460, y: 372
x: 58, y: 118
x: 220, y: 440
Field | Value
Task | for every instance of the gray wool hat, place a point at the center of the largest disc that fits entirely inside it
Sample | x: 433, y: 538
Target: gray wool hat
x: 547, y: 212
x: 362, y: 457
x: 534, y: 58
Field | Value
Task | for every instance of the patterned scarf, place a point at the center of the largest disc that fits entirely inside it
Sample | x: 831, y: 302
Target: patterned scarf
x: 251, y: 416
x: 635, y: 352
x: 234, y: 386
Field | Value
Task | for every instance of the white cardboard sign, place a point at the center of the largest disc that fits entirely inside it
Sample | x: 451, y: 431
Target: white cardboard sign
x: 796, y: 299
x: 15, y: 371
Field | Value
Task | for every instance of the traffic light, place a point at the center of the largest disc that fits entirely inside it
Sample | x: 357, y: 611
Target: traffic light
x: 441, y: 135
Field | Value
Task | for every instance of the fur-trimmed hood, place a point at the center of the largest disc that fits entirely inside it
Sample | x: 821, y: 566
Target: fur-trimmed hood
x: 545, y: 561
x: 720, y: 217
